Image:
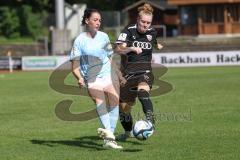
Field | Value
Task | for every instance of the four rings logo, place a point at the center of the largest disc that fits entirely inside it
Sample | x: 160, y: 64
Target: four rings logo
x: 143, y: 45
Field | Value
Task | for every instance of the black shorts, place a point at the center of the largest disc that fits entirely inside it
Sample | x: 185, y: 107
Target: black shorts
x: 128, y: 92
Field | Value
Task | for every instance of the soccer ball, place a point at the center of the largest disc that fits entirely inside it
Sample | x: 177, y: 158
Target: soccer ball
x: 142, y: 129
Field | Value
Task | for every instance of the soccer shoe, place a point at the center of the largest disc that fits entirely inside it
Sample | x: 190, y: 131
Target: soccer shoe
x: 105, y: 134
x: 111, y: 144
x: 125, y: 136
x: 152, y: 124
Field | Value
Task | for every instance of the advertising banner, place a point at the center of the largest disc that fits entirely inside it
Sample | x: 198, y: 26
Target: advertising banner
x: 16, y: 63
x: 42, y: 62
x: 191, y: 59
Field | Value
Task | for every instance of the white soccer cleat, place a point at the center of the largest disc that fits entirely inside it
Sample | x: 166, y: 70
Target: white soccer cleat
x: 105, y: 134
x: 111, y: 144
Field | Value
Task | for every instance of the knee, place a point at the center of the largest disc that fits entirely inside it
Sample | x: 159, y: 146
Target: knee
x: 143, y: 86
x: 126, y: 107
x: 143, y: 94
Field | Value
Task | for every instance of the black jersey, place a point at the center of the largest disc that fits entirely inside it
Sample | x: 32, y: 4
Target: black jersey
x: 132, y: 62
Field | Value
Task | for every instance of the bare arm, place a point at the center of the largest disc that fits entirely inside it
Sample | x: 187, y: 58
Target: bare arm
x: 76, y: 72
x: 123, y: 49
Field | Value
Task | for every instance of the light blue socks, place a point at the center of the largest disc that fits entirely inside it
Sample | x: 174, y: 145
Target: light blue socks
x: 103, y: 116
x: 113, y: 114
x: 107, y: 118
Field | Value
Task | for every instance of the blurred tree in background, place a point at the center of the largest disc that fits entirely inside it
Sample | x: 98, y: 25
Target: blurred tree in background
x: 25, y: 18
x: 38, y: 5
x: 104, y: 5
x: 31, y: 23
x: 9, y: 22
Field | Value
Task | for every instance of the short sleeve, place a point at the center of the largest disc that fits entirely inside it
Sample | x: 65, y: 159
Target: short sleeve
x: 75, y: 51
x: 108, y: 46
x: 124, y: 36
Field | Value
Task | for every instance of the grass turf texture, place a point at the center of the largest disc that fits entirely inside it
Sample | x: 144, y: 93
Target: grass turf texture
x: 199, y: 119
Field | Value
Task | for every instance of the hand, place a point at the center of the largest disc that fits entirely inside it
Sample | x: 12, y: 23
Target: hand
x: 159, y: 46
x: 123, y: 81
x: 81, y: 82
x: 137, y: 50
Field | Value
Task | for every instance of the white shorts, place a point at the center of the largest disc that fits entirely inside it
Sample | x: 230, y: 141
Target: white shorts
x: 101, y: 83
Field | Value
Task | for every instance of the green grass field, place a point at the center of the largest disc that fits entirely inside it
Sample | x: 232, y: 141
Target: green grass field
x: 198, y: 120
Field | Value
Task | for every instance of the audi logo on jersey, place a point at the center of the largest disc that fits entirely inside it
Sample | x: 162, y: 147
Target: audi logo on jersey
x: 143, y: 45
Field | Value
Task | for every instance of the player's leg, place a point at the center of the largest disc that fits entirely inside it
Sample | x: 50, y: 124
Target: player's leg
x: 97, y: 94
x: 112, y: 96
x: 127, y: 101
x: 113, y: 100
x: 144, y: 98
x: 126, y: 120
x: 125, y: 115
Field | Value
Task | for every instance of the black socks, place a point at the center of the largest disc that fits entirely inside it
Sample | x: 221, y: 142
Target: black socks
x: 144, y: 98
x: 126, y: 121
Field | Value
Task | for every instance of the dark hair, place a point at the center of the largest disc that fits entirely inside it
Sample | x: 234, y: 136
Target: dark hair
x: 87, y: 13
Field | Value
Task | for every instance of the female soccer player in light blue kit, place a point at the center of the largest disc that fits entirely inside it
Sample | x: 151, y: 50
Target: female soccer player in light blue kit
x: 95, y: 72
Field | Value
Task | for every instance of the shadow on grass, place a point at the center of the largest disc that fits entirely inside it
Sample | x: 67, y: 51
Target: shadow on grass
x: 90, y: 142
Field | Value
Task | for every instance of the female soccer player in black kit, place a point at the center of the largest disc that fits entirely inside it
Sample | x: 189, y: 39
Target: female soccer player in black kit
x: 135, y: 45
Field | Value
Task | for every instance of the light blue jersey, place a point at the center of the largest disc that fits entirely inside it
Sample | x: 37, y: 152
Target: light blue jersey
x: 93, y: 54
